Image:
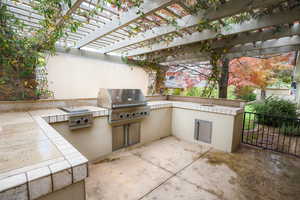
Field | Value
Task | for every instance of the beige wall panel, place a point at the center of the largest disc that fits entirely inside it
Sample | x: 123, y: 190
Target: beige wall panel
x: 156, y: 126
x: 92, y: 142
x: 72, y: 192
x: 222, y: 127
x: 72, y: 76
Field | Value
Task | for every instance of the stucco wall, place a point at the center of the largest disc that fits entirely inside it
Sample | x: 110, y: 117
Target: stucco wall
x: 96, y: 142
x: 75, y: 191
x: 77, y: 76
x: 93, y: 142
x: 223, y: 128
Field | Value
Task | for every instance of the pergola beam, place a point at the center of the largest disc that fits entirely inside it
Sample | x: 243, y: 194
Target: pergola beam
x: 263, y: 22
x: 243, y: 38
x: 124, y: 19
x: 227, y: 9
x: 281, y: 45
x: 254, y: 53
x: 69, y: 12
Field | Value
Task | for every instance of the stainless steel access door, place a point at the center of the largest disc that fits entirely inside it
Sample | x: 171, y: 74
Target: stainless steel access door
x: 125, y: 135
x: 134, y: 133
x: 203, y: 131
x: 118, y: 137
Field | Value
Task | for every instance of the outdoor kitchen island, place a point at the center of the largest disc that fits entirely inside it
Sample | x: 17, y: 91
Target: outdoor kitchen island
x: 61, y: 164
x: 166, y: 118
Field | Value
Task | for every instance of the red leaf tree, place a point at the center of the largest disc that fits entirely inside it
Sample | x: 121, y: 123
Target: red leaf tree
x: 257, y: 72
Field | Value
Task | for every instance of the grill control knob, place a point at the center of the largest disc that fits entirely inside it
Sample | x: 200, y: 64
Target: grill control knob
x: 127, y: 115
x: 86, y: 121
x: 78, y: 121
x: 145, y: 113
x: 133, y: 114
x: 121, y: 116
x: 141, y: 113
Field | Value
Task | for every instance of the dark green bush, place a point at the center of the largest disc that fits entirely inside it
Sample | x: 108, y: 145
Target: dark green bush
x: 245, y: 93
x: 249, y: 97
x: 272, y: 111
x: 290, y: 129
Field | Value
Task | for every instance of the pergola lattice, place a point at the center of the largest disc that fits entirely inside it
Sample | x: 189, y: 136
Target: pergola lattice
x: 130, y: 34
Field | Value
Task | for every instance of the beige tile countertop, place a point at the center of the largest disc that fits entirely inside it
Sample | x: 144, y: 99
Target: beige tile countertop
x: 34, y: 158
x: 196, y: 106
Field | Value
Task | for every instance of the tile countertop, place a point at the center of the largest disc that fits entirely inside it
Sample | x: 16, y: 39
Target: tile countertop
x: 36, y: 160
x: 196, y: 106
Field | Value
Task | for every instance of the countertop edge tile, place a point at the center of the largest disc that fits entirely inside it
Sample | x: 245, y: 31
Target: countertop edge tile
x: 12, y: 182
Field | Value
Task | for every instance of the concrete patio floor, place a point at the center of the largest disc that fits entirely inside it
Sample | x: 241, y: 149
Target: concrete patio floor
x: 174, y: 169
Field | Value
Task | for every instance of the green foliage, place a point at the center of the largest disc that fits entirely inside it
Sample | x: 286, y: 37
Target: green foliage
x: 249, y: 97
x: 193, y: 92
x: 290, y: 129
x: 283, y: 78
x: 199, y: 92
x: 272, y: 111
x: 231, y: 92
x: 176, y: 91
x: 249, y: 118
x: 23, y: 49
x: 245, y: 93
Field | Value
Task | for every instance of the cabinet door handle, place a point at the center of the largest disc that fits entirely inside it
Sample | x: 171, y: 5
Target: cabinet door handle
x: 196, y: 131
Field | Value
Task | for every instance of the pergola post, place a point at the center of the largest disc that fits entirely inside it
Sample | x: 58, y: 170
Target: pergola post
x: 223, y: 82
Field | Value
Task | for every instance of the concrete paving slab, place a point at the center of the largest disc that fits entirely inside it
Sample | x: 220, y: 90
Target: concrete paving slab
x: 124, y: 177
x: 147, y: 173
x: 178, y: 189
x: 249, y: 174
x: 171, y: 153
x: 218, y: 179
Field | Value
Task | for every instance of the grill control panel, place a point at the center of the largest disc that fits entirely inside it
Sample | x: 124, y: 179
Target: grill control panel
x: 80, y: 120
x: 125, y: 115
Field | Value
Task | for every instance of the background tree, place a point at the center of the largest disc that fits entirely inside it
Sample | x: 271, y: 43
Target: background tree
x: 257, y: 72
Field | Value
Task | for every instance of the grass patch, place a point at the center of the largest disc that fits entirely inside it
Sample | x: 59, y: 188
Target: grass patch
x: 249, y: 118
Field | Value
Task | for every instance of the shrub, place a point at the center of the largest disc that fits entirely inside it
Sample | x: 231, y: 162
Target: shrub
x: 198, y: 92
x: 249, y: 97
x: 194, y: 92
x: 290, y: 129
x: 273, y: 110
x: 176, y: 91
x: 246, y: 93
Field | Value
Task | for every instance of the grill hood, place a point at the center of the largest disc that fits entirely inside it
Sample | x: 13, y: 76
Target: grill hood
x: 121, y: 98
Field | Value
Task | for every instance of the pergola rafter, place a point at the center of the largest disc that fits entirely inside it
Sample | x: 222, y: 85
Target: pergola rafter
x: 131, y: 34
x: 239, y: 39
x: 227, y: 9
x: 282, y: 45
x: 124, y: 19
x: 263, y: 22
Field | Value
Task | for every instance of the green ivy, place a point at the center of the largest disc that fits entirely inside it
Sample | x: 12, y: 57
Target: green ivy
x: 21, y: 54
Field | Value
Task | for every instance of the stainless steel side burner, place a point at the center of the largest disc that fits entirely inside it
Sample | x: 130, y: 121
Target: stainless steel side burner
x: 79, y: 118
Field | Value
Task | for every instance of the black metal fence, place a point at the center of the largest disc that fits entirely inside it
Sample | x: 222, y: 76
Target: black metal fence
x: 273, y: 133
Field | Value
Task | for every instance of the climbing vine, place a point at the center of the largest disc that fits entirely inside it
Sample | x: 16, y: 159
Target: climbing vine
x: 23, y: 50
x: 150, y: 66
x: 216, y: 55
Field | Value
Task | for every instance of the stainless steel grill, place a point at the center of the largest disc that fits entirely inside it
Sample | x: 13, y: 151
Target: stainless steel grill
x: 125, y: 105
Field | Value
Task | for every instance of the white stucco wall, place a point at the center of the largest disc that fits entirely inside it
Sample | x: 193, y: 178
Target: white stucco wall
x: 75, y: 76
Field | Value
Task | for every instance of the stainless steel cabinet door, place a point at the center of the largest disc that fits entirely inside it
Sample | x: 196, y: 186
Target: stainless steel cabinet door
x: 134, y: 133
x: 118, y: 137
x: 203, y: 131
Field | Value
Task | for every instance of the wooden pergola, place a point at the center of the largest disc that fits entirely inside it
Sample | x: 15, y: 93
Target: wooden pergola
x: 140, y: 36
